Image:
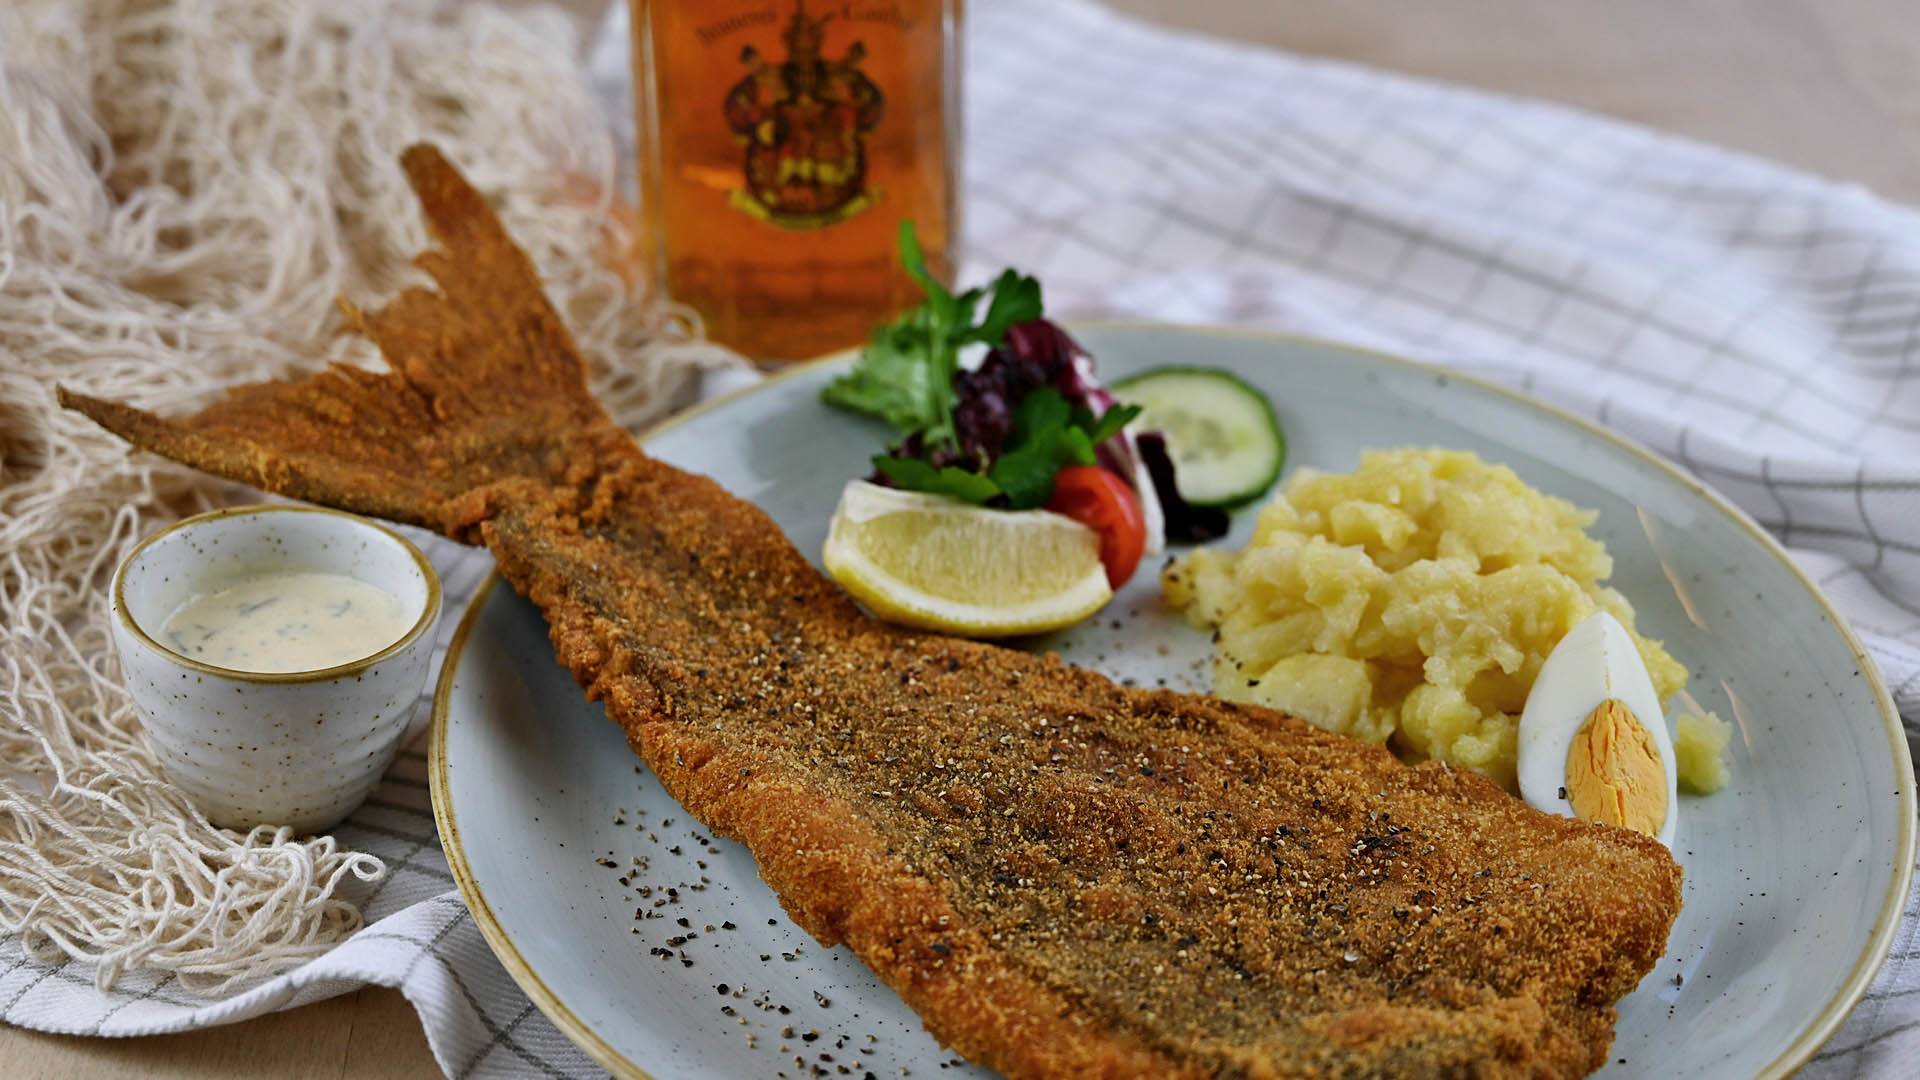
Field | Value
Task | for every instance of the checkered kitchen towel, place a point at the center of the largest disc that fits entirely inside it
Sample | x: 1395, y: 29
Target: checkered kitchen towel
x: 1758, y: 325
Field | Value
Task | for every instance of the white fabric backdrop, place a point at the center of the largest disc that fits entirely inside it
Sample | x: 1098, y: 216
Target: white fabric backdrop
x: 1757, y: 325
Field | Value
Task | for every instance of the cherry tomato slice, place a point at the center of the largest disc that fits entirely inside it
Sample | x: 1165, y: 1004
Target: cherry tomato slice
x: 1104, y: 503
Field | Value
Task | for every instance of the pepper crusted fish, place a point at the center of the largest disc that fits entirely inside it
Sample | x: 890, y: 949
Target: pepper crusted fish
x: 1063, y: 876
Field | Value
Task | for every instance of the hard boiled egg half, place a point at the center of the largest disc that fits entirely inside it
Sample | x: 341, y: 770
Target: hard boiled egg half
x: 1593, y: 739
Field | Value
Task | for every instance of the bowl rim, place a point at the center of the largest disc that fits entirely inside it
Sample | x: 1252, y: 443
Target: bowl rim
x: 429, y: 610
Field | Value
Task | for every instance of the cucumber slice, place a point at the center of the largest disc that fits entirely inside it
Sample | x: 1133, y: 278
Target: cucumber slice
x: 1224, y: 439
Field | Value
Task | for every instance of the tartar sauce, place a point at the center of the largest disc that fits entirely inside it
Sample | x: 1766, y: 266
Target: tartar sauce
x: 286, y: 620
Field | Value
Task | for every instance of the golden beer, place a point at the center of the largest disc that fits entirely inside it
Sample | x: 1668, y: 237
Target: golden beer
x: 781, y: 144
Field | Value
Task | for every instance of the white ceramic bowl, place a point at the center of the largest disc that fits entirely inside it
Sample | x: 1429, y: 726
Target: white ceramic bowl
x: 298, y: 748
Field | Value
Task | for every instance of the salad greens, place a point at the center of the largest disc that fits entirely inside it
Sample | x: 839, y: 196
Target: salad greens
x: 905, y: 375
x: 997, y: 435
x: 1048, y: 435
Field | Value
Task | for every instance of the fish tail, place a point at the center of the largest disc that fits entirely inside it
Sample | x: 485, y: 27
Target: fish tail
x: 485, y: 387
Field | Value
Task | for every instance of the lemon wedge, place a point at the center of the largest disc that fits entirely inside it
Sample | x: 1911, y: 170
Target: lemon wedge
x: 941, y: 564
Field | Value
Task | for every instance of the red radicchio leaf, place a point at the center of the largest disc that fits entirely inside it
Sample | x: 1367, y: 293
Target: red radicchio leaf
x: 1185, y: 523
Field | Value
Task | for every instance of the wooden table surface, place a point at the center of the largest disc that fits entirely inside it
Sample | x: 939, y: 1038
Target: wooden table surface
x: 1828, y: 85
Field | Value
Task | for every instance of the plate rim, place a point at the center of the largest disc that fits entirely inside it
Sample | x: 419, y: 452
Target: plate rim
x: 1811, y: 1037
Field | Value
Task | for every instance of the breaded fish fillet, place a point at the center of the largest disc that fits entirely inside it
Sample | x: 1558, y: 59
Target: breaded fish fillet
x: 1064, y: 877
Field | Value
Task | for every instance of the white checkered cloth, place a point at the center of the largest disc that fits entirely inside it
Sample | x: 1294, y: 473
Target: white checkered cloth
x: 1757, y: 325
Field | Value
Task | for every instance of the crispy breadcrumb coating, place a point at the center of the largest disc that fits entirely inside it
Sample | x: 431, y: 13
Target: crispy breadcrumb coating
x: 1063, y: 876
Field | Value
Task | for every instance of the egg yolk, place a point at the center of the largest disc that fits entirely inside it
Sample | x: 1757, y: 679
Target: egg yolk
x: 1614, y: 773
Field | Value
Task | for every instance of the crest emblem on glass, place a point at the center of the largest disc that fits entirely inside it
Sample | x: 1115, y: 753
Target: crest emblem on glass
x: 781, y: 145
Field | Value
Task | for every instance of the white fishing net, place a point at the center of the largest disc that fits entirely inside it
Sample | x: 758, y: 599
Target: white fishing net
x: 185, y: 187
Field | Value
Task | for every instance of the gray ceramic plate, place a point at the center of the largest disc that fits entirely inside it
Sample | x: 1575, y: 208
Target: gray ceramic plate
x: 658, y: 949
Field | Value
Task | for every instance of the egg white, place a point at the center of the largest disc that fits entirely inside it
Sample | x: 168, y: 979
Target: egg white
x: 1596, y: 660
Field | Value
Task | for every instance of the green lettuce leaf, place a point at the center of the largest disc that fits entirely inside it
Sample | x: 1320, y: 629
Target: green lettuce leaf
x: 905, y: 374
x: 912, y: 474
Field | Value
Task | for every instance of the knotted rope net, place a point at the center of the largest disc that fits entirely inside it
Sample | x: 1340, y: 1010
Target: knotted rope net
x: 185, y: 187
